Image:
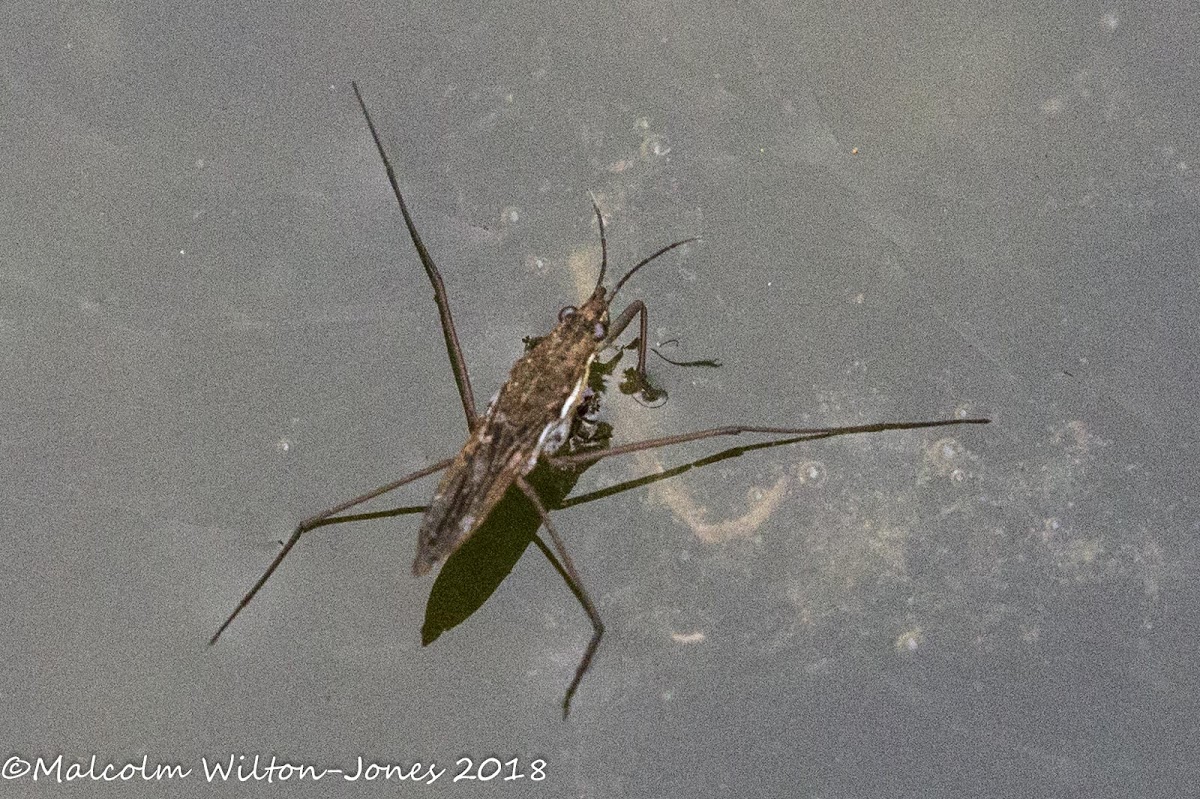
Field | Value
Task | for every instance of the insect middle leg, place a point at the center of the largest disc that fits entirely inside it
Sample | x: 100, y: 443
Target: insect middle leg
x: 802, y: 434
x: 798, y: 433
x: 449, y: 333
x: 457, y: 364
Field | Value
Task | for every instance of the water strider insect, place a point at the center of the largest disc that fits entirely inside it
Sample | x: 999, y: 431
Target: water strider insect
x: 527, y: 422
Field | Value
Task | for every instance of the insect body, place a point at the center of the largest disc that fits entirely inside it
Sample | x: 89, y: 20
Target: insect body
x: 532, y: 414
x: 527, y: 423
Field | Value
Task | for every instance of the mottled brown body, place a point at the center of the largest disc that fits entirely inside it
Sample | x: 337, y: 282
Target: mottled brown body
x: 531, y: 414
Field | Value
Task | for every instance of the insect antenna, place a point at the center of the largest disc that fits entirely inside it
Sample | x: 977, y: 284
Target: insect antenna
x: 640, y: 264
x: 647, y: 260
x: 603, y: 244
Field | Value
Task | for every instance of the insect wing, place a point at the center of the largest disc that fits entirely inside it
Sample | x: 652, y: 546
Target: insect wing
x: 487, y: 465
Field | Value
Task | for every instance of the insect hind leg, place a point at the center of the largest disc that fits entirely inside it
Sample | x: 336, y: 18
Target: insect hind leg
x: 323, y: 518
x: 571, y: 576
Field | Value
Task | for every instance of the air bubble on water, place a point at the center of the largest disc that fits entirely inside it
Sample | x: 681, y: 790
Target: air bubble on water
x: 1050, y: 528
x: 654, y: 146
x: 536, y: 265
x: 910, y: 640
x: 812, y: 473
x: 946, y: 457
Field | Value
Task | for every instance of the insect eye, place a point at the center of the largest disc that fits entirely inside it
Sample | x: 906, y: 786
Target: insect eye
x: 600, y: 331
x: 566, y: 312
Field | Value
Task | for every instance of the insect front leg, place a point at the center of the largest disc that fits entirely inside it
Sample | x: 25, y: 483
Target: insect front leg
x: 618, y: 325
x: 636, y: 380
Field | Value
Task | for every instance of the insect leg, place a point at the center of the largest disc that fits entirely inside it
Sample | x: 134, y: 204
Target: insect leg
x: 618, y: 325
x: 807, y: 433
x: 457, y: 363
x: 576, y: 585
x: 318, y: 520
x: 637, y: 307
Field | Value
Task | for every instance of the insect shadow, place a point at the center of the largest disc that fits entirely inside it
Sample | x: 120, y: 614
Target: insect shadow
x: 473, y: 572
x: 537, y: 435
